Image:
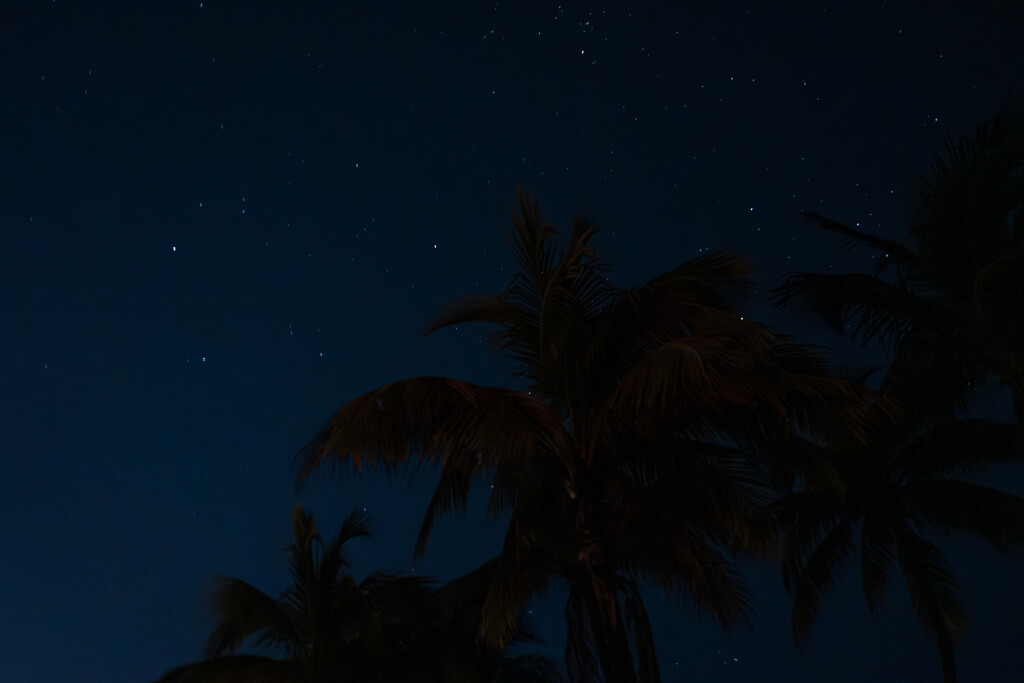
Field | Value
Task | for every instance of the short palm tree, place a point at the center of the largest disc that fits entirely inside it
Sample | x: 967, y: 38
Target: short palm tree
x: 953, y: 308
x: 331, y: 628
x: 326, y: 625
x: 635, y: 450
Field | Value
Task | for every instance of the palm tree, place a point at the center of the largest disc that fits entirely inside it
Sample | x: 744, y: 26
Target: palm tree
x: 327, y: 626
x: 909, y: 484
x: 331, y: 628
x: 953, y: 309
x: 952, y: 314
x: 635, y: 451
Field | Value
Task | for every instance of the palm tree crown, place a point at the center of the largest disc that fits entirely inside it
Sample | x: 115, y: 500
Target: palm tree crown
x: 337, y: 628
x: 953, y: 309
x: 387, y: 628
x: 636, y: 451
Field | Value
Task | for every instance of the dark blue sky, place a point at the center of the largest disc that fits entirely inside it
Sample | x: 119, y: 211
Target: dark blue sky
x: 220, y: 221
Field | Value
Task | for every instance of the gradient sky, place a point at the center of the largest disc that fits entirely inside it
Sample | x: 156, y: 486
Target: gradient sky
x: 221, y: 220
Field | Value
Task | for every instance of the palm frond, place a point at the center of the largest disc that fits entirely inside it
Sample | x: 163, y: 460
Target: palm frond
x: 536, y: 259
x: 679, y: 303
x: 893, y: 252
x: 967, y: 204
x: 688, y: 564
x: 833, y: 410
x: 432, y: 418
x: 864, y: 306
x: 718, y: 279
x: 953, y: 505
x: 961, y: 447
x: 809, y: 516
x: 505, y: 488
x: 558, y: 295
x: 933, y: 371
x: 666, y: 374
x: 492, y: 308
x: 817, y: 575
x: 933, y: 593
x: 695, y: 297
x: 589, y: 282
x: 450, y: 494
x: 247, y: 611
x: 519, y: 572
x: 877, y: 555
x: 333, y: 559
x: 682, y: 462
x: 743, y: 382
x: 303, y: 563
x: 793, y: 460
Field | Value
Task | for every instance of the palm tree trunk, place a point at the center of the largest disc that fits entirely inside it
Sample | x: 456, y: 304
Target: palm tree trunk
x: 948, y: 663
x: 611, y: 641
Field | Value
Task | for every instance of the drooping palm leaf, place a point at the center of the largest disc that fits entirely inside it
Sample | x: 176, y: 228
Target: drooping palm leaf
x: 810, y: 516
x: 689, y: 561
x: 868, y: 308
x: 522, y: 570
x: 333, y: 559
x: 933, y: 593
x: 953, y: 505
x: 431, y: 417
x: 247, y: 611
x: 877, y: 554
x: 817, y: 575
x: 719, y: 280
x: 892, y: 251
x: 962, y: 447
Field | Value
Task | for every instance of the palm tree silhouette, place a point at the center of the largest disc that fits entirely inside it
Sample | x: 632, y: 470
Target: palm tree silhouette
x: 331, y: 628
x: 952, y: 313
x: 884, y: 504
x: 953, y: 309
x: 635, y: 451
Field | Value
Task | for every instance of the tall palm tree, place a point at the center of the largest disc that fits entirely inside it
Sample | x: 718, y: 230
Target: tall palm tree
x: 950, y: 300
x: 331, y: 628
x: 634, y: 452
x: 949, y: 303
x: 889, y: 499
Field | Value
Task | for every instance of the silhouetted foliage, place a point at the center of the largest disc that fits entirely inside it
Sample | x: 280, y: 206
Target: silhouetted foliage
x: 647, y: 433
x: 950, y: 300
x: 952, y: 313
x: 385, y: 628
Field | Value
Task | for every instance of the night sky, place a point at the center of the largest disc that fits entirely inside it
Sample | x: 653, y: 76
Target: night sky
x: 220, y: 221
